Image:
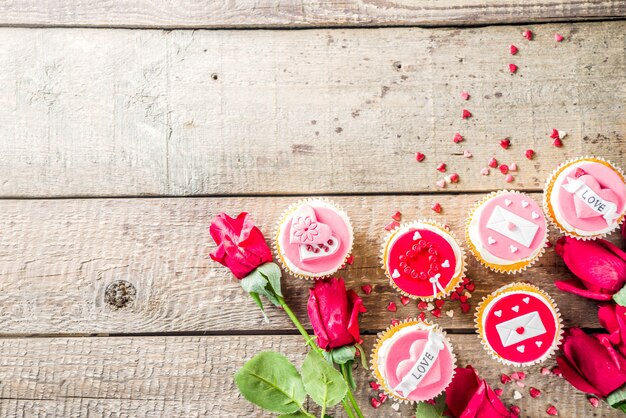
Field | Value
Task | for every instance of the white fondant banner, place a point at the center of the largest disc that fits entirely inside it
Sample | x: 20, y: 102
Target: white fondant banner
x: 607, y: 209
x: 423, y: 364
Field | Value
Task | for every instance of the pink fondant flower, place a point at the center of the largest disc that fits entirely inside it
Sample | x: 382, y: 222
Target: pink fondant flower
x: 599, y: 267
x: 305, y: 229
x: 469, y: 396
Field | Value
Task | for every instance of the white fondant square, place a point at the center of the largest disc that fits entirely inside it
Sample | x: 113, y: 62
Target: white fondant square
x: 531, y: 322
x: 525, y: 230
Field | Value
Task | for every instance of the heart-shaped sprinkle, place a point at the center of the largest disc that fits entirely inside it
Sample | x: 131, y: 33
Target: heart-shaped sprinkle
x: 395, y: 274
x: 534, y: 215
x: 445, y: 264
x: 528, y: 35
x: 562, y: 134
x: 504, y: 168
x: 557, y: 143
x: 466, y: 114
x: 391, y: 307
x: 416, y: 236
x: 450, y: 313
x: 539, y: 343
x: 397, y: 216
x: 465, y: 95
x: 505, y: 143
x: 491, y: 240
x: 521, y: 348
x: 524, y: 203
x: 512, y: 68
x: 366, y: 288
x: 552, y: 410
x: 498, y: 313
x: 467, y: 154
x: 558, y: 37
x: 484, y: 171
x: 395, y: 406
x: 526, y: 300
x: 511, y: 226
x: 404, y: 300
x: 594, y: 401
x: 513, y: 167
x: 454, y: 178
x: 392, y: 225
x: 430, y: 306
x: 436, y: 207
x: 419, y: 157
x: 516, y: 394
x: 493, y: 163
x: 441, y: 183
x: 509, y: 178
x: 529, y: 154
x: 442, y: 167
x: 457, y: 138
x: 519, y: 330
x: 513, y: 49
x: 507, y: 202
x: 515, y: 308
x: 554, y: 134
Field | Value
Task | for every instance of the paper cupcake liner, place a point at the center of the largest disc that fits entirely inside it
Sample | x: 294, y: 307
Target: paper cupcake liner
x: 283, y: 217
x: 514, y: 268
x: 547, y: 193
x: 511, y: 288
x: 388, y: 333
x: 455, y: 282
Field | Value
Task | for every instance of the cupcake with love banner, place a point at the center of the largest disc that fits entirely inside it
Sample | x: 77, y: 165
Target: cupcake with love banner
x: 506, y: 231
x: 423, y: 260
x: 585, y: 198
x: 313, y: 239
x: 413, y: 361
x: 519, y: 324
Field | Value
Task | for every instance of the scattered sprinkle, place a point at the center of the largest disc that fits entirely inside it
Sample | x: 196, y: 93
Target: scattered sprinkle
x: 465, y: 307
x: 421, y: 316
x: 392, y: 307
x: 374, y: 385
x: 375, y: 403
x: 366, y: 288
x: 397, y: 216
x: 528, y: 35
x: 442, y: 167
x: 457, y: 138
x: 554, y: 134
x: 552, y: 411
x: 498, y: 391
x: 504, y: 379
x: 557, y: 143
x: 454, y: 178
x: 430, y: 306
x: 419, y: 157
x: 594, y: 401
x: 395, y: 406
x: 530, y: 154
x: 470, y: 286
x: 517, y: 395
x: 454, y: 296
x: 512, y: 68
x: 350, y: 260
x: 392, y: 225
x: 504, y: 168
x: 436, y: 207
x: 466, y: 114
x: 513, y: 167
x: 382, y: 396
x: 450, y: 313
x: 467, y: 154
x: 441, y: 183
x: 513, y: 49
x: 515, y: 409
x: 505, y: 143
x: 509, y: 178
x: 493, y: 163
x: 422, y: 305
x: 465, y: 95
x: 439, y: 303
x: 518, y: 375
x: 520, y: 383
x: 484, y: 171
x: 558, y: 37
x: 463, y: 299
x: 394, y: 322
x: 562, y: 134
x: 548, y: 244
x: 404, y: 300
x: 545, y: 371
x: 557, y: 371
x: 534, y: 392
x: 436, y: 312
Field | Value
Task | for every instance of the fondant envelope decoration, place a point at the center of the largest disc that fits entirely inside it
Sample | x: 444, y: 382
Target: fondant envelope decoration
x: 520, y: 329
x: 522, y: 232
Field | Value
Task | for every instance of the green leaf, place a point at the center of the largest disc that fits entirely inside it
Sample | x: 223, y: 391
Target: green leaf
x: 343, y: 354
x: 620, y: 297
x: 264, y: 281
x: 257, y: 299
x: 362, y: 356
x: 617, y: 398
x: 272, y: 272
x: 270, y: 381
x: 426, y: 410
x: 348, y: 374
x: 322, y: 382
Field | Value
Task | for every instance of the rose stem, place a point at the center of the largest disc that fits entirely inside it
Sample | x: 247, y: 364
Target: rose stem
x: 350, y: 396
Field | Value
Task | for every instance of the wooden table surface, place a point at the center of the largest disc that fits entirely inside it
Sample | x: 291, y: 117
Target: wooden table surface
x: 126, y: 125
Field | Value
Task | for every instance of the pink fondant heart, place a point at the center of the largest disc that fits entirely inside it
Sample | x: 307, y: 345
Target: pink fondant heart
x: 583, y: 210
x: 405, y: 366
x: 306, y: 229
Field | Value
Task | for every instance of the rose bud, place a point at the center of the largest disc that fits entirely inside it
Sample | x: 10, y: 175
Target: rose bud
x: 334, y: 313
x: 468, y: 396
x: 613, y: 318
x: 240, y: 244
x: 599, y: 267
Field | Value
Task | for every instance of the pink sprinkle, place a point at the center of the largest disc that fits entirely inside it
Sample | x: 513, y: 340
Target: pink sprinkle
x: 528, y: 35
x: 465, y: 95
x: 366, y: 288
x: 442, y: 167
x: 513, y: 167
x: 441, y: 183
x: 529, y: 154
x: 558, y: 37
x: 484, y: 171
x: 375, y: 403
x: 466, y: 114
x: 382, y: 396
x: 557, y: 143
x: 498, y: 392
x: 512, y: 68
x: 467, y: 154
x: 493, y: 163
x: 518, y: 376
x: 594, y: 401
x: 552, y: 411
x: 534, y: 392
x: 392, y: 225
x: 509, y: 178
x: 513, y: 49
x: 419, y: 157
x: 436, y: 207
x: 404, y: 300
x: 505, y: 143
x: 392, y: 307
x: 504, y: 379
x: 454, y: 178
x: 504, y: 168
x: 515, y: 410
x: 374, y: 385
x: 397, y: 216
x: 520, y: 383
x: 457, y: 138
x: 545, y: 371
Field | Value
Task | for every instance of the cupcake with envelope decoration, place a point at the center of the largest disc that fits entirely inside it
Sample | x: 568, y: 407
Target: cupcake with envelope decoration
x: 519, y: 324
x: 423, y: 260
x: 506, y: 231
x: 313, y: 239
x: 413, y: 361
x: 585, y: 198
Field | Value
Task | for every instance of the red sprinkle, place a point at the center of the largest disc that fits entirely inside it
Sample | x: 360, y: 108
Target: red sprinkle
x: 504, y: 379
x: 422, y: 305
x: 594, y: 401
x: 466, y: 114
x: 465, y: 95
x: 392, y: 307
x: 515, y: 409
x: 548, y: 243
x: 529, y: 154
x: 498, y: 392
x: 419, y: 157
x: 454, y: 178
x: 367, y: 289
x: 463, y: 299
x: 466, y: 280
x: 513, y: 49
x: 382, y: 396
x: 439, y: 303
x: 442, y: 167
x: 504, y: 168
x: 465, y: 307
x: 457, y: 138
x: 528, y: 35
x: 518, y: 376
x: 421, y: 316
x: 375, y: 402
x: 552, y: 411
x: 512, y: 68
x: 392, y: 225
x: 554, y: 134
x: 404, y: 300
x: 557, y: 371
x: 374, y: 385
x: 394, y: 322
x: 558, y: 37
x: 454, y: 296
x: 505, y: 143
x: 436, y: 207
x: 350, y: 259
x: 436, y: 312
x: 534, y: 392
x: 493, y: 163
x: 557, y: 143
x: 470, y: 287
x: 397, y: 216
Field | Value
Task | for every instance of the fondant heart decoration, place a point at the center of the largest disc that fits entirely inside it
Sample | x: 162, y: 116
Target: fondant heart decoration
x: 534, y: 215
x: 416, y: 236
x: 507, y: 202
x: 445, y: 264
x: 526, y: 300
x: 314, y: 251
x: 306, y: 229
x: 583, y: 210
x: 395, y: 274
x: 515, y: 308
x: 491, y: 240
x: 539, y: 343
x: 498, y: 313
x: 524, y: 203
x: 521, y: 348
x: 405, y: 366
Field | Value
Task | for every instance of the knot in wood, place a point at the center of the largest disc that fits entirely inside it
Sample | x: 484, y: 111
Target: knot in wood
x: 120, y: 294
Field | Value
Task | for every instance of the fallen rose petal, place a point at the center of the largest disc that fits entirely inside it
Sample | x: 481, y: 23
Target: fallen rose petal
x: 392, y: 225
x: 505, y: 143
x: 528, y: 35
x: 552, y: 410
x: 534, y: 392
x: 504, y: 168
x: 513, y: 49
x: 457, y: 138
x: 374, y: 385
x: 391, y: 307
x: 558, y: 37
x: 529, y: 154
x: 436, y: 207
x: 419, y: 157
x: 404, y: 300
x: 366, y: 288
x: 512, y: 68
x: 397, y: 216
x: 466, y: 114
x: 493, y: 163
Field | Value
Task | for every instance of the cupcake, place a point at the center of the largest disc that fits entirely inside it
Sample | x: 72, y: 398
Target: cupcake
x: 506, y: 231
x: 519, y: 324
x: 423, y: 260
x: 313, y: 239
x: 413, y: 361
x: 586, y: 198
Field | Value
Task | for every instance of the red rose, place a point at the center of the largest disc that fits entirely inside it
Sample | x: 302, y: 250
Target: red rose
x: 240, y: 244
x: 599, y: 267
x: 591, y: 364
x: 334, y: 313
x: 468, y: 396
x: 613, y: 318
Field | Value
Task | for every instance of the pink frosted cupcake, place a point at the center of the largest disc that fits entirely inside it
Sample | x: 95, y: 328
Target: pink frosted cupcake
x: 586, y: 198
x: 313, y: 239
x: 413, y: 361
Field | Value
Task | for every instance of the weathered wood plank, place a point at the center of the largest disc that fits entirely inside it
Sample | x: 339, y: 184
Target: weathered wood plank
x: 58, y: 257
x: 192, y: 377
x: 127, y: 112
x: 297, y: 13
